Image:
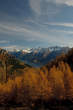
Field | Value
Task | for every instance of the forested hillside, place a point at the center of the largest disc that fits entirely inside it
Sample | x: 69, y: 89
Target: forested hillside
x: 10, y: 66
x: 51, y: 82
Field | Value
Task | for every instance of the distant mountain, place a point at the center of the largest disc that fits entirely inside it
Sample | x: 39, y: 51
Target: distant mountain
x: 38, y: 57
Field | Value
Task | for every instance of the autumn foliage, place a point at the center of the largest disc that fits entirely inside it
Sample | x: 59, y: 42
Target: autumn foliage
x: 43, y: 83
x: 36, y: 83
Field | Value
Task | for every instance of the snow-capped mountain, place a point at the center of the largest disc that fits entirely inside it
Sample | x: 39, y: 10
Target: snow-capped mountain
x: 39, y: 56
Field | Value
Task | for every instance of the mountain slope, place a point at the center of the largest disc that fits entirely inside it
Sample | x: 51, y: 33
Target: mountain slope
x: 66, y: 58
x: 52, y: 82
x: 10, y: 66
x: 40, y: 56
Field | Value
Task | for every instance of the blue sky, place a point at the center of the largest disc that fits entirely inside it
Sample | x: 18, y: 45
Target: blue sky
x: 36, y: 23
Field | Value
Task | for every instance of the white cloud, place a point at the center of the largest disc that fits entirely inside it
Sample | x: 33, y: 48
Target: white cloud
x: 38, y: 5
x: 42, y: 7
x: 13, y: 47
x: 66, y: 2
x: 12, y: 28
x: 16, y: 30
x: 4, y: 41
x: 60, y: 24
x: 10, y: 47
x: 33, y: 35
x: 62, y: 31
x: 35, y: 5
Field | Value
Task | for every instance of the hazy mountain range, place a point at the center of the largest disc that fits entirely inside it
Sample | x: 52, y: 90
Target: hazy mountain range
x: 38, y: 57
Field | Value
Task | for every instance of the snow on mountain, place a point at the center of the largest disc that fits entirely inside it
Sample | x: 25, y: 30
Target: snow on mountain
x: 39, y: 56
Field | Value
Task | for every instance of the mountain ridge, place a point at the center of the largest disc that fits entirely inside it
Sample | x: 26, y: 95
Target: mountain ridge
x: 40, y: 56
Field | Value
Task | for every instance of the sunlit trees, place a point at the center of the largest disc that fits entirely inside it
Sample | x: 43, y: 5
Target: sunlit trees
x: 54, y: 81
x: 37, y: 84
x: 57, y: 84
x: 68, y: 82
x: 61, y: 79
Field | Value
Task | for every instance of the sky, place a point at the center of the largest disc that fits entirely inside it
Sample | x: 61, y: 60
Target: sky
x: 36, y: 23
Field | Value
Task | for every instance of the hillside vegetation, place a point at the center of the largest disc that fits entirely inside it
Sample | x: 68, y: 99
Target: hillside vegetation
x: 51, y: 82
x: 10, y: 66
